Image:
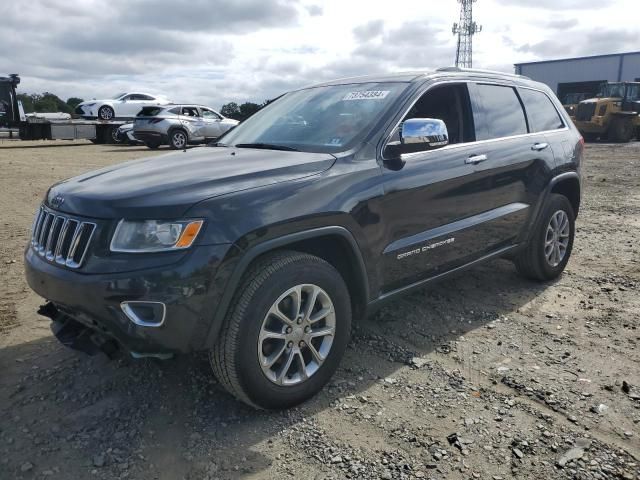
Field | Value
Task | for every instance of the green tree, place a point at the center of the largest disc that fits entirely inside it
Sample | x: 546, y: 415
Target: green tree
x: 43, y: 102
x: 27, y: 102
x: 74, y: 101
x: 231, y: 110
x: 247, y: 109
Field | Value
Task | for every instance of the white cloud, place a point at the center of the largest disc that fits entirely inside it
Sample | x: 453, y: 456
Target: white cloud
x: 239, y: 50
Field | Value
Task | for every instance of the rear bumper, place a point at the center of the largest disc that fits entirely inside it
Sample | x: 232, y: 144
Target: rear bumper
x: 188, y: 290
x: 150, y: 136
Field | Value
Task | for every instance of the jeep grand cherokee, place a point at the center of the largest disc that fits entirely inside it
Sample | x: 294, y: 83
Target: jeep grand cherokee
x: 318, y: 209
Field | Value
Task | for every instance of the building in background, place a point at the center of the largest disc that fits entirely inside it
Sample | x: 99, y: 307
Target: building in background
x: 583, y: 74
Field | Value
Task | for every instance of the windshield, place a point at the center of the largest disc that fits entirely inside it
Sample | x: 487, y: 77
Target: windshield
x: 612, y: 90
x: 574, y: 98
x: 321, y: 119
x: 118, y: 96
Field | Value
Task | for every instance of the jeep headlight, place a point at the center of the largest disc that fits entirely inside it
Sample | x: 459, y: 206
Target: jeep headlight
x: 137, y: 236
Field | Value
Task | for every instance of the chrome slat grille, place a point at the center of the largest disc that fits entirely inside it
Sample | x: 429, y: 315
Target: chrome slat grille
x: 61, y: 239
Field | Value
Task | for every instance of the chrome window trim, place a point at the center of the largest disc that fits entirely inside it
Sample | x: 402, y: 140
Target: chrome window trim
x: 408, y: 156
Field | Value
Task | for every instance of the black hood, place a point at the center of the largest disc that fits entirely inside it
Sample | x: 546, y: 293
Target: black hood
x: 166, y: 186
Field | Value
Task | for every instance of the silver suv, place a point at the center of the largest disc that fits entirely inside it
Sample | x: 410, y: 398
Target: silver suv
x: 179, y: 125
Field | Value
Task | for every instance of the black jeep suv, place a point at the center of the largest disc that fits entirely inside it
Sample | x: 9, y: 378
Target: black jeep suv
x: 333, y: 199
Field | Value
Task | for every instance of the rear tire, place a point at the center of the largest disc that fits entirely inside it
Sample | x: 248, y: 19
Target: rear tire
x: 152, y: 145
x: 244, y: 347
x: 621, y: 130
x: 540, y: 260
x: 178, y: 139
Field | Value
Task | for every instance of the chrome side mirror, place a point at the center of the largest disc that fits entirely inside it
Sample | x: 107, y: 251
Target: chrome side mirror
x: 427, y: 132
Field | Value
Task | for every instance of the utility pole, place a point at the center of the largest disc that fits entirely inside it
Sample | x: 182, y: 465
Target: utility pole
x: 465, y: 30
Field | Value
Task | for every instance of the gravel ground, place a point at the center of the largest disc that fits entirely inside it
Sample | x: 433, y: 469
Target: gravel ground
x: 483, y: 376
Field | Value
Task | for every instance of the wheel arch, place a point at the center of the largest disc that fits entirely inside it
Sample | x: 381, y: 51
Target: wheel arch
x: 568, y: 184
x: 334, y: 244
x: 173, y: 128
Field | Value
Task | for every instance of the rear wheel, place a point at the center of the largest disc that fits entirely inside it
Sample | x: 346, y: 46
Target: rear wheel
x: 152, y: 145
x: 285, y: 333
x: 178, y: 139
x: 548, y: 251
x: 621, y: 130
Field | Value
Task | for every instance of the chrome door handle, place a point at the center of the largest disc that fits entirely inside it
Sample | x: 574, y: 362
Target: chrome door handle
x: 540, y: 146
x: 476, y: 159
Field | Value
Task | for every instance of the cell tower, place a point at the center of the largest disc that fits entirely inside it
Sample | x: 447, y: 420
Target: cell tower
x: 465, y: 30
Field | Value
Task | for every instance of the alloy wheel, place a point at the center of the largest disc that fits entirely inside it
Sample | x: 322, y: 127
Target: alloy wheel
x: 557, y: 238
x: 179, y: 139
x: 296, y: 335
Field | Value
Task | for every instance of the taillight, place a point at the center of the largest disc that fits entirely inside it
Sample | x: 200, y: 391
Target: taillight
x: 156, y: 120
x: 581, y: 141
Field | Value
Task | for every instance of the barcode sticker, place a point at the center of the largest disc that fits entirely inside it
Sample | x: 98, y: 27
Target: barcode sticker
x: 367, y: 95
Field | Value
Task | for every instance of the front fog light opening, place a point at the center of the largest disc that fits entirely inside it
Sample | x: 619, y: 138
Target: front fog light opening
x: 145, y: 314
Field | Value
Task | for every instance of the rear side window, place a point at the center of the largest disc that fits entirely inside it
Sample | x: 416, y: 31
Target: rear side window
x: 500, y: 114
x: 541, y: 113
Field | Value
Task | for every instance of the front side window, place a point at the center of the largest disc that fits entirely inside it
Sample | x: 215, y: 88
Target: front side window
x: 325, y: 119
x: 633, y: 92
x: 541, y: 113
x: 210, y: 114
x: 499, y: 112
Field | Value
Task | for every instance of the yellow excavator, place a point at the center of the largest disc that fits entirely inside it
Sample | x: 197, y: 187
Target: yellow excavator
x: 613, y: 115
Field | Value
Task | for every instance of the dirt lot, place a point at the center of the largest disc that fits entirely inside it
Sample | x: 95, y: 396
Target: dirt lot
x: 483, y: 376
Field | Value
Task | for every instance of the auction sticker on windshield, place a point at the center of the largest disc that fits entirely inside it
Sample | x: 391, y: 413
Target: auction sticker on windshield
x: 367, y: 95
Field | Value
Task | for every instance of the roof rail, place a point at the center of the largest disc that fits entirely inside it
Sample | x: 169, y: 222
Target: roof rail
x: 478, y: 70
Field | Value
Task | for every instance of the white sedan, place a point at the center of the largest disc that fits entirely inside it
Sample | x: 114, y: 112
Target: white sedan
x: 122, y: 105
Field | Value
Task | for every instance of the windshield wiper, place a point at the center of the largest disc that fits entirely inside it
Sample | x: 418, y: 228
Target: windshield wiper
x: 266, y: 146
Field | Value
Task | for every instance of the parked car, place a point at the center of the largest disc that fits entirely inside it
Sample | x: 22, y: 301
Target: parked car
x: 124, y: 134
x: 180, y: 125
x: 318, y: 209
x: 123, y: 105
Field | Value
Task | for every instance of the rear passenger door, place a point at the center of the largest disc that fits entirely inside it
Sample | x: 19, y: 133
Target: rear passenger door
x: 544, y: 119
x: 518, y: 161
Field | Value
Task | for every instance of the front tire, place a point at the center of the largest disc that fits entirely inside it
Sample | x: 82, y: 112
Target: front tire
x: 285, y: 333
x: 105, y: 112
x: 621, y: 130
x: 547, y: 253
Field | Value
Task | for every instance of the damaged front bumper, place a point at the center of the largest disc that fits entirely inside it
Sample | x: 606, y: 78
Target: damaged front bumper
x: 153, y: 312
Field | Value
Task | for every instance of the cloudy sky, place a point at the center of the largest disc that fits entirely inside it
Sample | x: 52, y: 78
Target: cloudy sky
x: 215, y: 51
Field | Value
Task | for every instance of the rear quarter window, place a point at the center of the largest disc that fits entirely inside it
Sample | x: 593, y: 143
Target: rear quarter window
x: 500, y: 112
x: 541, y: 113
x: 149, y: 111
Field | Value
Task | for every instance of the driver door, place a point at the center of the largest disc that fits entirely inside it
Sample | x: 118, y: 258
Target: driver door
x: 212, y: 127
x: 447, y: 206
